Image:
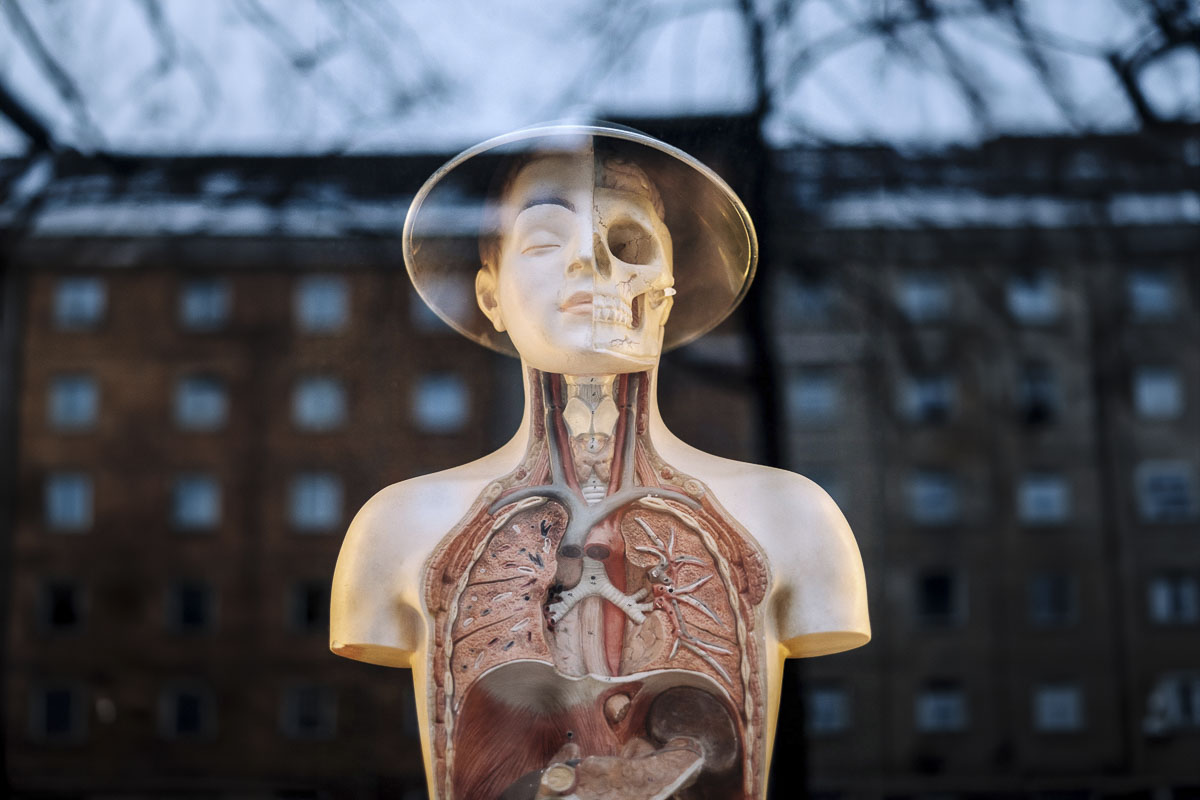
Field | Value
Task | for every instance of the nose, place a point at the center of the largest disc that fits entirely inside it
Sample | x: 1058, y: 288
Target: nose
x: 592, y: 255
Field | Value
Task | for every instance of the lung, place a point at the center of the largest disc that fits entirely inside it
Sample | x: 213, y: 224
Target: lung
x: 614, y: 625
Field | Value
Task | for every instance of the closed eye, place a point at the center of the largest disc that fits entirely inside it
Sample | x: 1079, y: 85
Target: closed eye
x: 540, y: 248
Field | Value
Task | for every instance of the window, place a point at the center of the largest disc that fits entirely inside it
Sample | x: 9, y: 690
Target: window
x: 452, y: 296
x: 1151, y: 294
x: 807, y: 297
x: 322, y: 304
x: 939, y: 600
x: 1037, y: 393
x: 316, y: 501
x: 197, y: 502
x: 1043, y: 498
x: 204, y: 304
x: 308, y: 712
x: 191, y: 607
x: 1166, y: 491
x: 68, y: 501
x: 924, y: 297
x: 61, y: 606
x: 1052, y: 599
x: 201, y: 403
x: 1058, y: 708
x: 319, y: 404
x: 813, y: 396
x: 1157, y: 392
x: 941, y: 707
x: 933, y: 498
x: 74, y: 402
x: 57, y: 714
x: 1034, y: 298
x: 440, y: 403
x: 1174, y: 599
x: 308, y: 606
x: 1174, y: 704
x: 927, y: 399
x: 828, y: 709
x: 79, y: 303
x: 187, y: 712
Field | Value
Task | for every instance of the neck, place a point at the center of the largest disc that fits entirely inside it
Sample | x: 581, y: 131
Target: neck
x: 650, y: 419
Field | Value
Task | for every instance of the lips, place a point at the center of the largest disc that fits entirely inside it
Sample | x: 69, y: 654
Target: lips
x: 578, y: 303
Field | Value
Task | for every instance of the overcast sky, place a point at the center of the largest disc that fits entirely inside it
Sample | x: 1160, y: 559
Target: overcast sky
x: 303, y: 76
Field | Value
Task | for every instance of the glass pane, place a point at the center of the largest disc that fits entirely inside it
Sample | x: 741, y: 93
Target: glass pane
x: 74, y: 401
x: 68, y: 501
x: 322, y: 304
x: 440, y: 403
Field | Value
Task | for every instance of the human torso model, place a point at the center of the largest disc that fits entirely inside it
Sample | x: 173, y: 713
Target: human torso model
x: 596, y: 609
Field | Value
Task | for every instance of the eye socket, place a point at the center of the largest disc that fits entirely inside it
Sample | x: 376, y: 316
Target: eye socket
x: 631, y: 243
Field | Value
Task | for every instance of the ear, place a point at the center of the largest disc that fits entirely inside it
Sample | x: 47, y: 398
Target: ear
x: 485, y: 295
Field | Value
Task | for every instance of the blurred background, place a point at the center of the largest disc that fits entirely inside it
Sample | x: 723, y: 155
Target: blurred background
x: 975, y: 324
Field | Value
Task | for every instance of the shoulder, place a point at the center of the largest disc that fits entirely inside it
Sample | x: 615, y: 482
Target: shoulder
x: 819, y: 597
x: 375, y: 598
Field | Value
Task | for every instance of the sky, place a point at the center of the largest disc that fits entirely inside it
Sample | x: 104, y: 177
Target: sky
x: 314, y: 76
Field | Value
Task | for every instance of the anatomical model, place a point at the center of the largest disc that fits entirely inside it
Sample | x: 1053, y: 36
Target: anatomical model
x: 596, y: 609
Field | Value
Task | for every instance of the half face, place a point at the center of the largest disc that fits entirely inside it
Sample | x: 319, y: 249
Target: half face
x: 583, y: 283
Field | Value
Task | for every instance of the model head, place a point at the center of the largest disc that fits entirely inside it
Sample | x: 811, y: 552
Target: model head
x: 578, y: 271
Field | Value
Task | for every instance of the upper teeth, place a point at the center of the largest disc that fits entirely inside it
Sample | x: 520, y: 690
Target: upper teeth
x: 611, y: 309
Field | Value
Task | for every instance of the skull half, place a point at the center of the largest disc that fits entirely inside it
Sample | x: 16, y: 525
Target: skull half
x: 633, y: 283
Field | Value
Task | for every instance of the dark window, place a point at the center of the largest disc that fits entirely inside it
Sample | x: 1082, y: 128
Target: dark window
x: 309, y: 712
x: 187, y: 712
x: 56, y: 714
x: 1051, y: 599
x: 61, y: 606
x: 1037, y: 394
x: 310, y: 606
x: 938, y: 599
x: 191, y: 607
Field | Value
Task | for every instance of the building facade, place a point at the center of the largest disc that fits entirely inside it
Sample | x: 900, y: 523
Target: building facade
x: 989, y: 359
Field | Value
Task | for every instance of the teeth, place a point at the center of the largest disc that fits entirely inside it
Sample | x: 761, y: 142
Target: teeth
x: 611, y: 310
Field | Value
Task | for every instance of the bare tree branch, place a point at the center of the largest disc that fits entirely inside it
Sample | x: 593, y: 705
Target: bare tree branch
x: 23, y: 119
x: 62, y: 82
x: 174, y: 52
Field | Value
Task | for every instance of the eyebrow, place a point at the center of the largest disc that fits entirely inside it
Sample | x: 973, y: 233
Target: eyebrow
x: 549, y: 200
